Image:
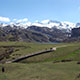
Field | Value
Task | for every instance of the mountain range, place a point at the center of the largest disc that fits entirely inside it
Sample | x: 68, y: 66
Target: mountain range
x: 44, y: 31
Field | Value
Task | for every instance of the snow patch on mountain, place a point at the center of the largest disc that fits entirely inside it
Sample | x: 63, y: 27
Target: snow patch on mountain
x: 45, y: 23
x: 55, y: 24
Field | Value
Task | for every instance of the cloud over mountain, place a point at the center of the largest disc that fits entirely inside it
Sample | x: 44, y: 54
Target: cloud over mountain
x: 4, y: 19
x: 24, y: 23
x: 45, y: 21
x: 20, y: 20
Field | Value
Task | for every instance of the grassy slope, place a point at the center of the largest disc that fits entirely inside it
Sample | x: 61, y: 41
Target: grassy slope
x: 26, y: 48
x: 41, y: 71
x: 45, y: 69
x: 71, y: 51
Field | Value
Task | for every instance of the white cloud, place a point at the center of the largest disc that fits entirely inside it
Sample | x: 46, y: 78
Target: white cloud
x: 45, y: 21
x: 22, y: 20
x: 14, y: 19
x: 4, y: 19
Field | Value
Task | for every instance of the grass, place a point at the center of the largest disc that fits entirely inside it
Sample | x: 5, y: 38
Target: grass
x: 41, y: 71
x: 23, y: 48
x: 69, y: 52
x: 41, y: 67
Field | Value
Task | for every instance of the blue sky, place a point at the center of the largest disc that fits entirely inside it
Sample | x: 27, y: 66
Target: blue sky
x: 61, y: 10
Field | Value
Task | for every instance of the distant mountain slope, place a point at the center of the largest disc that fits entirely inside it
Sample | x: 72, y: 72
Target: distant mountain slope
x: 31, y: 34
x: 45, y: 31
x: 53, y: 33
x: 76, y: 32
x: 23, y: 35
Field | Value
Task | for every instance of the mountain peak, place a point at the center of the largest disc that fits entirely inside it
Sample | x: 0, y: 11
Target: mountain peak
x: 46, y: 23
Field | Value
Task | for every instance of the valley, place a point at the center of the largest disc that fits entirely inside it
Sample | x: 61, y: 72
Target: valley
x: 60, y: 64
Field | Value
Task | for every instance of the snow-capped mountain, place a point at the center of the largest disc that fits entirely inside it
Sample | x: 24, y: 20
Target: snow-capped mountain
x: 44, y: 31
x: 78, y: 25
x: 45, y: 23
x: 55, y: 24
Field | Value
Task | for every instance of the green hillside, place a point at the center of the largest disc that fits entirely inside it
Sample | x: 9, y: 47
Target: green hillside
x: 50, y: 66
